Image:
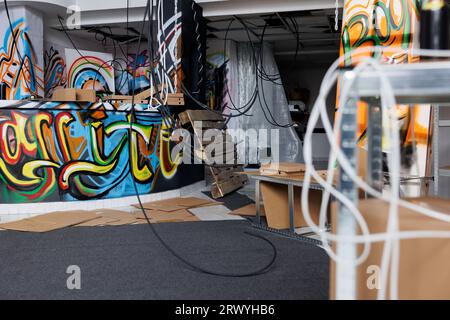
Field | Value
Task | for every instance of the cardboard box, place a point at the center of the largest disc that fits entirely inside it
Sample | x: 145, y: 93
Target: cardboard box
x: 72, y: 94
x: 275, y: 198
x: 424, y: 263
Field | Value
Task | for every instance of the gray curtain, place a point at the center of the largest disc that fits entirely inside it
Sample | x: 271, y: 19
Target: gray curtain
x: 242, y: 81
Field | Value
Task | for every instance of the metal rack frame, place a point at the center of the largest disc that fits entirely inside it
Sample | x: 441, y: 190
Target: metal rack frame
x: 421, y: 83
x: 290, y: 183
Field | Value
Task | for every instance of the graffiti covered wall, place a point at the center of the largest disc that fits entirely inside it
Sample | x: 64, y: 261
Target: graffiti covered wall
x: 63, y: 152
x: 393, y: 26
x: 21, y: 65
x: 168, y: 55
x: 55, y: 69
x: 139, y: 64
x: 388, y: 24
x: 90, y: 70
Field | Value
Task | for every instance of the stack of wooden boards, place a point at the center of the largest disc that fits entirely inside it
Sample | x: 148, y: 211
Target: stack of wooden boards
x: 169, y: 210
x: 226, y: 173
x: 87, y: 95
x: 284, y: 169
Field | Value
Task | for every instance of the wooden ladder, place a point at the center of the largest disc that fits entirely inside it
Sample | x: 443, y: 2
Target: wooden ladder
x: 227, y: 177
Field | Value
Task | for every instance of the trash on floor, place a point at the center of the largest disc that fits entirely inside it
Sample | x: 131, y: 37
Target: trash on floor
x: 50, y: 221
x: 157, y: 216
x: 176, y: 204
x: 248, y: 211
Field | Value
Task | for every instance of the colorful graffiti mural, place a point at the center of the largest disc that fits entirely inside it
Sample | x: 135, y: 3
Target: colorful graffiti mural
x: 168, y: 69
x: 19, y: 69
x: 391, y: 25
x: 388, y: 24
x: 90, y: 70
x: 59, y: 152
x: 138, y: 69
x: 167, y: 56
x: 55, y: 75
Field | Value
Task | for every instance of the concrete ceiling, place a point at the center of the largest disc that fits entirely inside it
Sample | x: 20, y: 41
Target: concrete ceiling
x: 217, y: 8
x: 309, y: 21
x: 312, y: 29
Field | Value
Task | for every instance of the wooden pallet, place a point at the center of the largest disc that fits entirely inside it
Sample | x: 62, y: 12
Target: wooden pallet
x: 226, y: 176
x: 221, y: 189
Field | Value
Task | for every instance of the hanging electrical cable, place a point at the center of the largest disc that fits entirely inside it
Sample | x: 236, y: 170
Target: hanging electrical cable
x: 260, y: 91
x: 199, y: 48
x: 264, y: 269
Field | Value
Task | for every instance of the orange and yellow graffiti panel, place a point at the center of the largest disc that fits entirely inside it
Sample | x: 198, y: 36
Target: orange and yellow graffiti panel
x: 392, y: 26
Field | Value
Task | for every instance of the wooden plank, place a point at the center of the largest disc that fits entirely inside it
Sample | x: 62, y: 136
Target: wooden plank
x: 184, y: 118
x: 118, y: 97
x: 213, y: 125
x: 218, y: 152
x: 223, y: 166
x: 174, y: 101
x: 224, y: 174
x: 144, y: 95
x: 223, y: 158
x: 219, y: 190
x: 218, y: 169
x: 226, y: 139
x: 176, y: 95
x: 202, y: 115
x: 147, y: 93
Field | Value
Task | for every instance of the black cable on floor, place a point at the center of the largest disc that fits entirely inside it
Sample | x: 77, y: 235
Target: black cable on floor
x: 262, y: 270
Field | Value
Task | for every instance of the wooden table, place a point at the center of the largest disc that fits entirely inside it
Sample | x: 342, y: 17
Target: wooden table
x: 290, y: 180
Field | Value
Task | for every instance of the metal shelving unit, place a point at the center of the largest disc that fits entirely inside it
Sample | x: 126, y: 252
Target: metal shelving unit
x: 421, y: 83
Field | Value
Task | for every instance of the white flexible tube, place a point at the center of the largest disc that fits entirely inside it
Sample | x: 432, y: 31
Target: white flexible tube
x: 392, y: 235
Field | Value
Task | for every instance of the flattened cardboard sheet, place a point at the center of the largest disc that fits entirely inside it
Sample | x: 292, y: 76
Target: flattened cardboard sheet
x: 248, y: 211
x: 50, y: 221
x: 176, y: 204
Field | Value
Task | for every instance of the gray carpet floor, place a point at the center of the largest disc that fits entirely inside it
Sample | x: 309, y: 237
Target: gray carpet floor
x: 128, y: 262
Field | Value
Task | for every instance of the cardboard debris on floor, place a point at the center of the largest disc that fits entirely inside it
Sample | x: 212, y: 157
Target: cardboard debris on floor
x: 110, y: 217
x: 170, y: 210
x: 248, y: 211
x: 159, y: 207
x: 176, y: 204
x: 50, y: 221
x: 157, y: 216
